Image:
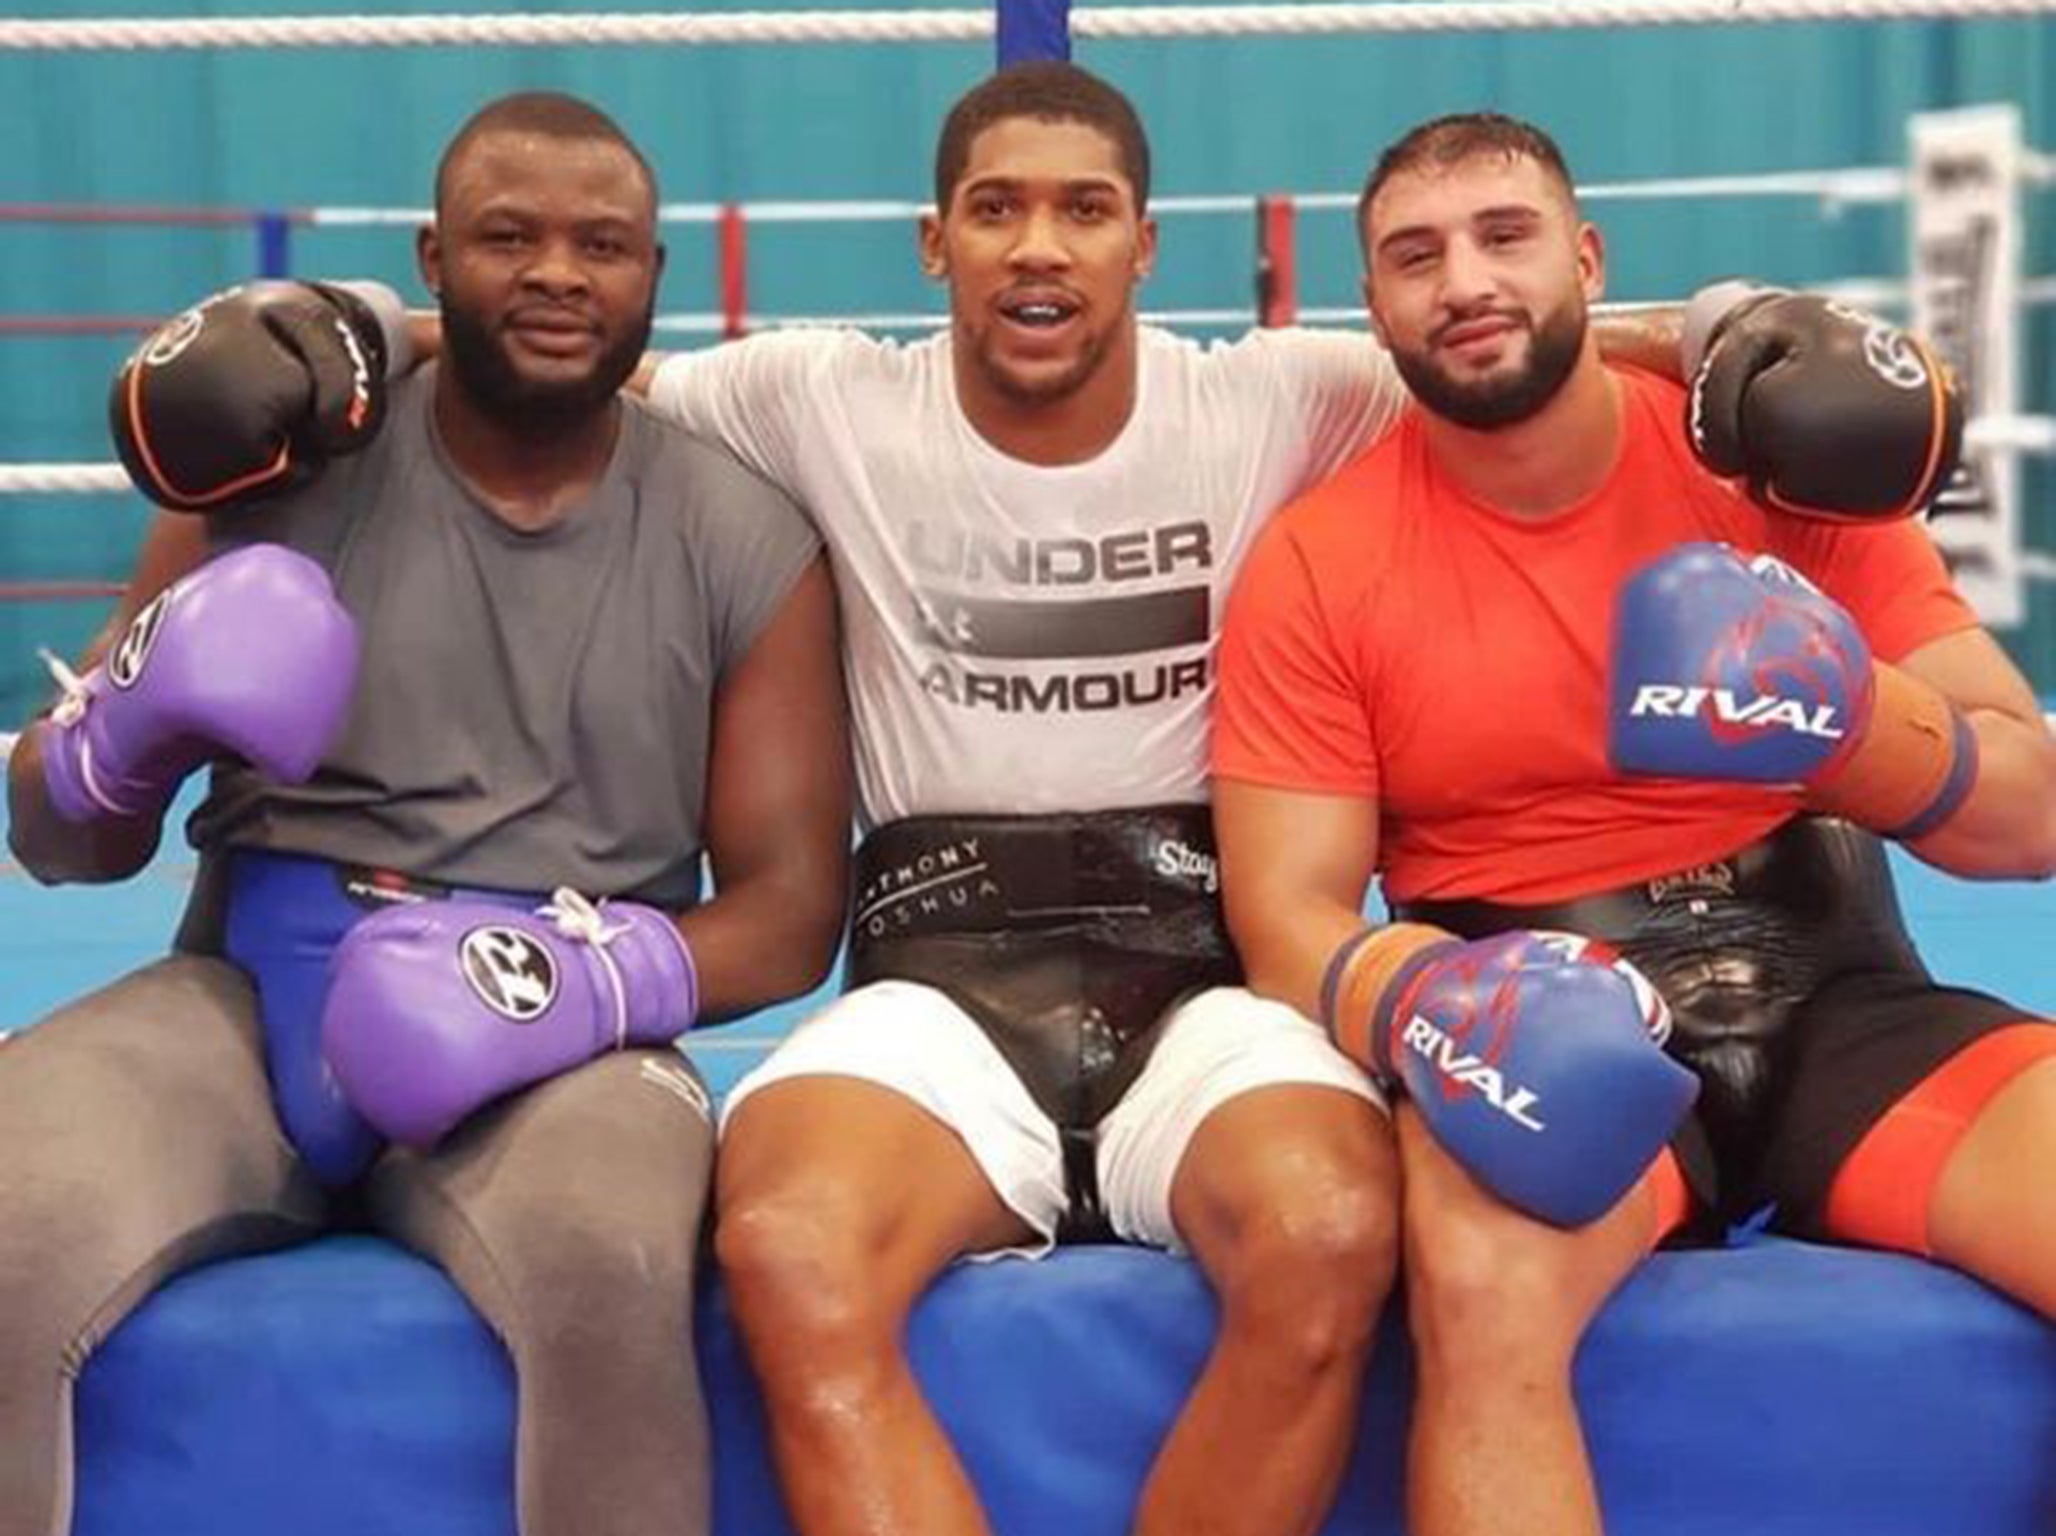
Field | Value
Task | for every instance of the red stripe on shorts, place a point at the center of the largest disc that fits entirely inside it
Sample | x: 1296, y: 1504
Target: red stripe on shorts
x: 1882, y: 1193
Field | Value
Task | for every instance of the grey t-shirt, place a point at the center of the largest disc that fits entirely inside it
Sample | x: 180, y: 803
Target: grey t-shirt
x: 532, y: 709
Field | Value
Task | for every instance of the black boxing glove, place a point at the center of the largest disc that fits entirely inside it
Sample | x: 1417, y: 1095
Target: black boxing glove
x: 1824, y: 410
x: 253, y: 390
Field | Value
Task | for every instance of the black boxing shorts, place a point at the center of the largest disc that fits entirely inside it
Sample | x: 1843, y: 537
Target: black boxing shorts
x: 1068, y: 938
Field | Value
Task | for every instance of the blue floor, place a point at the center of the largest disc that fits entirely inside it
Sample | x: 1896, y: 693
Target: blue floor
x: 56, y: 944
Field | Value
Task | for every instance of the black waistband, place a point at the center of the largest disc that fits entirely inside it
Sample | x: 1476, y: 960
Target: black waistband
x: 1067, y: 938
x: 1820, y: 875
x: 1737, y: 946
x: 1147, y: 878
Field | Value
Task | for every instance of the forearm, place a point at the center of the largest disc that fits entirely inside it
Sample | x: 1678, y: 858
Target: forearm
x: 59, y: 852
x: 1645, y: 337
x: 765, y: 939
x: 1286, y: 947
x: 2006, y: 828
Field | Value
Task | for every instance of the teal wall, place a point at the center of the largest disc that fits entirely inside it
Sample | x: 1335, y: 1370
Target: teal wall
x: 363, y: 126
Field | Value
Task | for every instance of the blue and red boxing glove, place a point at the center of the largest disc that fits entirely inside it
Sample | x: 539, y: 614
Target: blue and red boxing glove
x: 250, y: 655
x: 436, y: 1009
x: 1726, y: 667
x: 1534, y: 1059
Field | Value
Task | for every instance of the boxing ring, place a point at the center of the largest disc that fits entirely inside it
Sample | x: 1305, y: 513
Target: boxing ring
x: 1769, y: 1386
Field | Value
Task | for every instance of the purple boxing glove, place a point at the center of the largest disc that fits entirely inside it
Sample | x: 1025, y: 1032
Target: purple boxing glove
x: 438, y: 1008
x: 1536, y: 1061
x: 250, y: 655
x: 1731, y: 669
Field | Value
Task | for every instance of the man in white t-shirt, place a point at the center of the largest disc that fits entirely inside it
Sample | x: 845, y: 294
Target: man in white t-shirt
x: 1034, y: 519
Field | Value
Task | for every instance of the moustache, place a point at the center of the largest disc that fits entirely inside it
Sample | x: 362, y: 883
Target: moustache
x: 1520, y: 319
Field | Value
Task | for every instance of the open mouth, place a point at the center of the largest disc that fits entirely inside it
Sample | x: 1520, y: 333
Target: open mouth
x: 1041, y: 311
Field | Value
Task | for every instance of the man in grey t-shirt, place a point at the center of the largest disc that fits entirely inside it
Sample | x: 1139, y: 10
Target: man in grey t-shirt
x: 530, y: 648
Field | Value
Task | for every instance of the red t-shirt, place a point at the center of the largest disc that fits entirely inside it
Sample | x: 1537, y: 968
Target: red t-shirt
x: 1393, y: 639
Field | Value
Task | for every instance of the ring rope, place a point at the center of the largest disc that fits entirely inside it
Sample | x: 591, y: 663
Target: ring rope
x: 1848, y: 186
x: 1104, y: 21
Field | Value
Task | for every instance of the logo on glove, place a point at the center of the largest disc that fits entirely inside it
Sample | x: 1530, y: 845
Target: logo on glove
x: 1464, y: 1070
x: 172, y: 339
x: 511, y: 972
x: 132, y: 653
x: 1888, y: 351
x: 1674, y: 701
x: 359, y: 413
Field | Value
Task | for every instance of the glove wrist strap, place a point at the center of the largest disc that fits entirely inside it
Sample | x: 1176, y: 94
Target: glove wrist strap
x: 1364, y: 979
x: 385, y: 307
x: 1913, y: 767
x: 1711, y: 308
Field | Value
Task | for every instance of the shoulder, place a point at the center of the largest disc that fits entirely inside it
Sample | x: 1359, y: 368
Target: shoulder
x: 1662, y: 393
x: 1656, y: 406
x: 1284, y: 354
x: 1657, y: 422
x: 1361, y: 498
x: 1333, y: 542
x: 706, y: 481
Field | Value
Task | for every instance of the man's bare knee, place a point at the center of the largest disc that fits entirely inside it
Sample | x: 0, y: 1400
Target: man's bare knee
x: 1308, y: 1279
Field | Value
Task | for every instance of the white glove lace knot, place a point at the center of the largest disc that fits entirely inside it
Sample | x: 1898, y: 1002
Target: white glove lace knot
x: 72, y: 694
x: 584, y: 921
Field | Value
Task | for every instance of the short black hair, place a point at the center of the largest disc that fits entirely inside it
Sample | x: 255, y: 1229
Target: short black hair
x: 1050, y: 91
x: 551, y: 114
x: 1450, y: 141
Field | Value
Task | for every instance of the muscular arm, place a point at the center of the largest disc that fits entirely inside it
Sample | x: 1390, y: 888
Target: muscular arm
x: 1647, y: 337
x: 2007, y: 827
x: 778, y: 813
x: 50, y: 848
x: 1294, y: 870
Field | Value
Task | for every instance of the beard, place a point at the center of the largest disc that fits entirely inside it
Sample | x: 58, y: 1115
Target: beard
x: 1501, y: 400
x: 1040, y: 388
x: 478, y: 357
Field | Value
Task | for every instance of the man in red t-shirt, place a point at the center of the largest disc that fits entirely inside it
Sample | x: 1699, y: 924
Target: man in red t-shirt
x: 1539, y: 670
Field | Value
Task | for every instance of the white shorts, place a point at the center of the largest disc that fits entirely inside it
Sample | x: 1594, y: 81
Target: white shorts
x: 914, y: 1040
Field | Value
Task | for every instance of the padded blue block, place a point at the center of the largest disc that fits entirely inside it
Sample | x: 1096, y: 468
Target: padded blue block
x: 1776, y: 1388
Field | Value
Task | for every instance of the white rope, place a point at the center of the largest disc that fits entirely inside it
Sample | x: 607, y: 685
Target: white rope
x: 545, y: 31
x: 1103, y: 21
x: 1850, y: 185
x: 1498, y: 16
x: 62, y: 479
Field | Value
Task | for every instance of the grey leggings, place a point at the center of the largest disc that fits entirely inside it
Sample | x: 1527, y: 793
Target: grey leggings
x: 140, y: 1140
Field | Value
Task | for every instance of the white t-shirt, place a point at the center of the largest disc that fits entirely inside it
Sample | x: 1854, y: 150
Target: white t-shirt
x: 1020, y: 638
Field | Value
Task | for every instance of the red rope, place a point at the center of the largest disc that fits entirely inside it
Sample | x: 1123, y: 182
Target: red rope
x: 735, y: 264
x: 78, y: 325
x: 140, y: 213
x: 1277, y: 271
